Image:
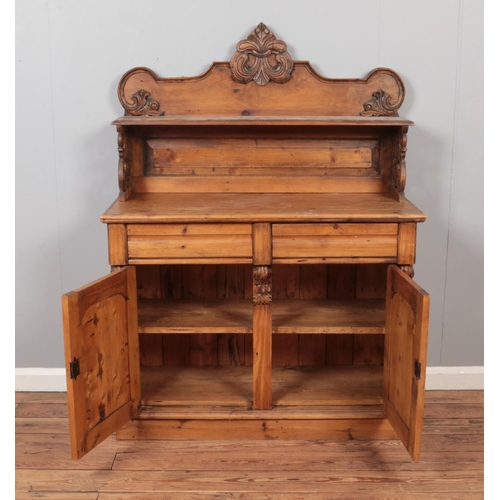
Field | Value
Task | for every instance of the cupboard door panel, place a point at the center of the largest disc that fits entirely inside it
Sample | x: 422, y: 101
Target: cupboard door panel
x: 407, y: 318
x: 102, y: 358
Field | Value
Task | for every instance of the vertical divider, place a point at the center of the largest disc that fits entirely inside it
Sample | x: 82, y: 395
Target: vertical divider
x: 262, y: 317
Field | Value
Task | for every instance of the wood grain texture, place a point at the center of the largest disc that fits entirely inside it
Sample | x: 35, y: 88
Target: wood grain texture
x: 149, y: 287
x: 201, y: 281
x: 262, y: 337
x: 407, y: 240
x: 262, y: 244
x: 313, y: 285
x: 341, y: 285
x: 117, y: 245
x: 271, y: 207
x: 142, y: 89
x: 100, y: 331
x: 313, y: 316
x: 451, y: 465
x: 334, y: 240
x: 242, y: 155
x: 231, y: 284
x: 172, y: 318
x: 255, y: 429
x: 286, y: 283
x: 321, y: 481
x: 189, y: 241
x: 405, y: 347
x: 370, y: 284
x: 232, y: 386
x: 291, y: 120
x: 260, y: 183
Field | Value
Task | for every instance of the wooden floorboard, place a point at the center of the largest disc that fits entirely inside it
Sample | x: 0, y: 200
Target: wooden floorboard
x: 451, y: 466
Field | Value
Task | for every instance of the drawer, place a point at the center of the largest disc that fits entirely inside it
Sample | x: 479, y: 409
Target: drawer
x: 232, y: 242
x: 350, y: 241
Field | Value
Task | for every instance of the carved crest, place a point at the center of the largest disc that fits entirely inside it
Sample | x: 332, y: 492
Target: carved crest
x: 261, y: 58
x: 142, y: 104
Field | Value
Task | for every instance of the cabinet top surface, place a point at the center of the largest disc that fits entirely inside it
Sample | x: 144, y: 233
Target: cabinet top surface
x: 258, y: 207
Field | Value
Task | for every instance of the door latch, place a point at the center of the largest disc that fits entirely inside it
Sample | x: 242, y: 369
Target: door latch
x: 418, y: 369
x: 74, y: 368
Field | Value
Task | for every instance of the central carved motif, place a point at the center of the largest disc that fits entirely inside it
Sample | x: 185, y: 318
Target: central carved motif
x: 261, y: 58
x: 262, y: 276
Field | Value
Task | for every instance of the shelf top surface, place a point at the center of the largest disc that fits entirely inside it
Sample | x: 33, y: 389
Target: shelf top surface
x: 257, y: 207
x: 176, y: 120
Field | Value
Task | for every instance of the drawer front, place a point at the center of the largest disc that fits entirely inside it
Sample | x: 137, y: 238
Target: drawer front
x: 190, y: 241
x: 350, y: 241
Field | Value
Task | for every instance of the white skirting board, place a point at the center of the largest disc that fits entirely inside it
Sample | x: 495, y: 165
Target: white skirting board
x: 437, y: 378
x: 454, y: 378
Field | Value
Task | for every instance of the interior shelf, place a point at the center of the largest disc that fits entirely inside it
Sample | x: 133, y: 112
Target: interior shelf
x: 195, y: 316
x: 314, y: 389
x: 316, y: 316
x: 329, y: 316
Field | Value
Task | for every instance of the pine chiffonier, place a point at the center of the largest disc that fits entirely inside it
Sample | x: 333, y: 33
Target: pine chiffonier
x: 262, y: 254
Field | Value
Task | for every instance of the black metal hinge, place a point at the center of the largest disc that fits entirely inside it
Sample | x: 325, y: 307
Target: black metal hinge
x: 418, y: 369
x: 74, y: 368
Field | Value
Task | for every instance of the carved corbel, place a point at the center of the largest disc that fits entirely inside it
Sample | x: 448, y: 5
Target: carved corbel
x: 398, y: 174
x: 408, y: 270
x: 261, y: 58
x: 124, y: 177
x: 262, y: 282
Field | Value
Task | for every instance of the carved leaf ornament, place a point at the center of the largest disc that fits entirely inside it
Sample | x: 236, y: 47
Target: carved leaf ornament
x: 142, y: 104
x: 261, y: 58
x: 381, y: 104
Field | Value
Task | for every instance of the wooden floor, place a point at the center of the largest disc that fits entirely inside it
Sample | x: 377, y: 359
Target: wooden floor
x: 451, y: 466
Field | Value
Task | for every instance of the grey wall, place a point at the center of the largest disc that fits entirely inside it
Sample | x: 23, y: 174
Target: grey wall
x: 71, y: 54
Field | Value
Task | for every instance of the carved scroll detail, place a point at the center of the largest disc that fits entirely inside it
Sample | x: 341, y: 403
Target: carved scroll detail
x: 124, y: 177
x: 261, y: 58
x: 262, y: 279
x: 142, y: 104
x: 381, y: 104
x: 399, y: 162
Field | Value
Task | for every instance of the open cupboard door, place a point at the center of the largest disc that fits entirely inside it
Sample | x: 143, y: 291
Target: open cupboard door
x: 407, y: 318
x: 102, y: 358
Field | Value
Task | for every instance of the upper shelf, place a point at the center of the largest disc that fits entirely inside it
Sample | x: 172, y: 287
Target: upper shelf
x: 370, y: 121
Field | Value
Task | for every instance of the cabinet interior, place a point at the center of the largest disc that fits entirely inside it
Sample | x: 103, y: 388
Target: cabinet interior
x: 195, y: 334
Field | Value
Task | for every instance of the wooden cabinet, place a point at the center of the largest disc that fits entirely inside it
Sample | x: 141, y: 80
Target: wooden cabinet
x: 262, y: 251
